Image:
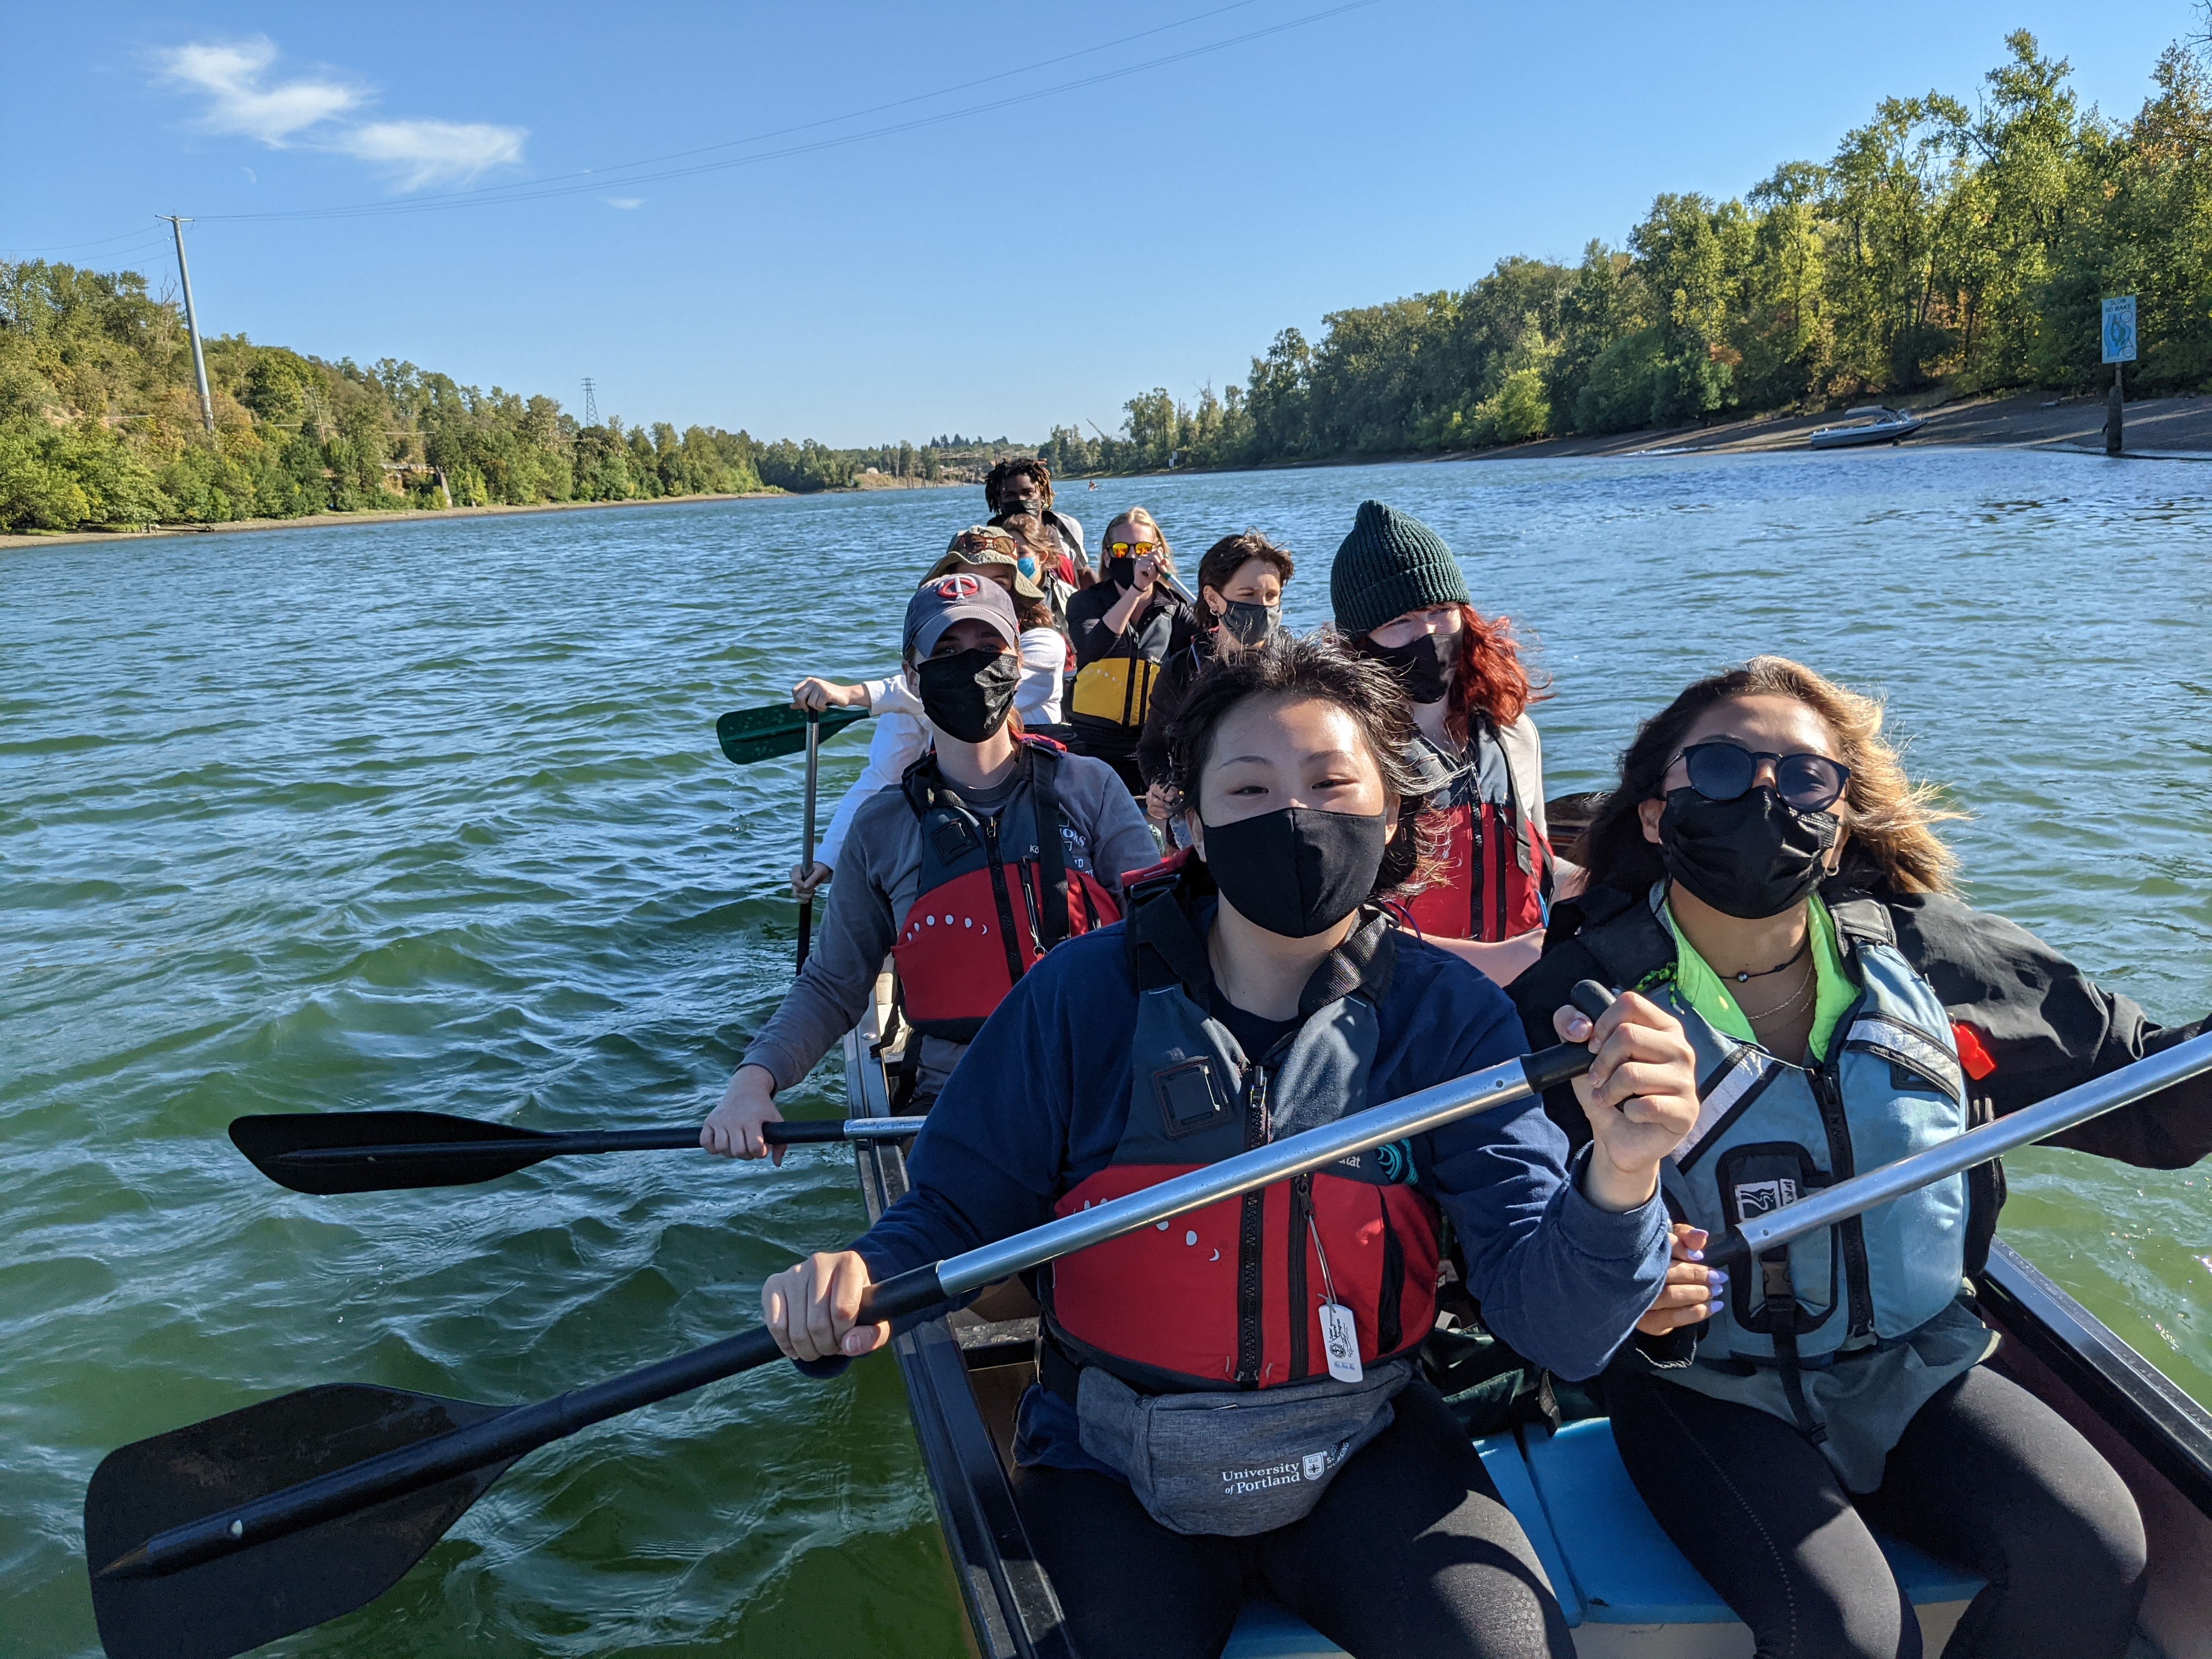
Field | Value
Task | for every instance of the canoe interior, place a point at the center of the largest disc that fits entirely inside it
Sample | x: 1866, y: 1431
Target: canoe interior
x: 1627, y: 1592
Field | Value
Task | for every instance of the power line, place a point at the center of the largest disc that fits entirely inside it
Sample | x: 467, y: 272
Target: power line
x: 625, y: 176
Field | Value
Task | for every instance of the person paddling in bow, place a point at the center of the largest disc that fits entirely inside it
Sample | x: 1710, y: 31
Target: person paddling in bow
x: 1764, y: 867
x: 993, y: 848
x: 1124, y: 629
x: 1231, y: 1400
x: 1398, y: 592
x: 1240, y: 606
x: 903, y: 732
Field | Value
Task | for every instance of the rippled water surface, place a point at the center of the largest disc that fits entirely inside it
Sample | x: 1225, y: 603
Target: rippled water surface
x: 430, y: 815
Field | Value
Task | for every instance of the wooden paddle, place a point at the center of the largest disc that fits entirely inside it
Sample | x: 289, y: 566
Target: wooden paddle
x: 324, y: 1152
x: 757, y: 734
x: 210, y: 1539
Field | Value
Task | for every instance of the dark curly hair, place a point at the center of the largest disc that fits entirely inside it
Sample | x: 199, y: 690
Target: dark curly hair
x: 1319, y: 667
x: 1019, y: 466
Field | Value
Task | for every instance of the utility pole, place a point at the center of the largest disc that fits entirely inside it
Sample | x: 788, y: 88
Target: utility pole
x: 591, y: 402
x: 192, y: 323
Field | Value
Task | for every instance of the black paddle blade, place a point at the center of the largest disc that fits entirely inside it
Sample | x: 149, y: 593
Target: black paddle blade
x: 757, y: 734
x: 267, y: 1139
x: 267, y: 1590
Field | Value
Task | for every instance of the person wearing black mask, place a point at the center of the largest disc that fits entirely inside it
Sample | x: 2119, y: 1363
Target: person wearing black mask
x: 993, y: 848
x: 1397, y: 593
x: 1765, y: 868
x: 1125, y: 630
x: 1211, y: 1020
x: 1240, y: 605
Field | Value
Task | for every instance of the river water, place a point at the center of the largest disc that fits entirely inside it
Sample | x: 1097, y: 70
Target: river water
x: 430, y: 815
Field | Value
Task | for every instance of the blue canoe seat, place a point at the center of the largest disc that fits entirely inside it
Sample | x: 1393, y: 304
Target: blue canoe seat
x: 1605, y: 1557
x: 1608, y: 1557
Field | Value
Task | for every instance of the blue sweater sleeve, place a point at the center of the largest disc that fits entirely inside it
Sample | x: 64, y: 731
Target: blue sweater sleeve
x: 1562, y: 1281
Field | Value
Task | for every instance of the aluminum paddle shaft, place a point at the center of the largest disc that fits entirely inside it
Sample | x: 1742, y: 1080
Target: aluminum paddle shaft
x: 500, y: 1439
x: 2045, y: 1118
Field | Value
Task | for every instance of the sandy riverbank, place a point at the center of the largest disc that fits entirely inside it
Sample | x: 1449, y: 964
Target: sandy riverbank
x: 2154, y: 427
x: 400, y: 516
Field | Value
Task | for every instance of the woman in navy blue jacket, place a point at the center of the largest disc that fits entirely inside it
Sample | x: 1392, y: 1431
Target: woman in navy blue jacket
x: 1231, y: 1400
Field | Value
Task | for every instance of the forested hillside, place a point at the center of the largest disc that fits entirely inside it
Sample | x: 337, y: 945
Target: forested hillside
x: 1943, y: 243
x: 100, y: 424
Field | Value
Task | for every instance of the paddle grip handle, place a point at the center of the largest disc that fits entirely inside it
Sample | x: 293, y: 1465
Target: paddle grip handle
x: 1548, y: 1068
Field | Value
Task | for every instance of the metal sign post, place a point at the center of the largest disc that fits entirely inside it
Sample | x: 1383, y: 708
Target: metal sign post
x: 2120, y: 335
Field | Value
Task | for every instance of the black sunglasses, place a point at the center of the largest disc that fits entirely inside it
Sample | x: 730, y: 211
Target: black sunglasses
x: 1722, y: 771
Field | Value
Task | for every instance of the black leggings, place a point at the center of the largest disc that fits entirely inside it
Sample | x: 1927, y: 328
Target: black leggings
x: 1986, y: 1477
x: 1410, y: 1553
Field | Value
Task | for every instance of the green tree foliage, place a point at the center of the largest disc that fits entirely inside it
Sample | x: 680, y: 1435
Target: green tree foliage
x: 100, y: 424
x: 1944, y: 242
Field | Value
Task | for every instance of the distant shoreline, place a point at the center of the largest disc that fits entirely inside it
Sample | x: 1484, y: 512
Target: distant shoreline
x: 420, y: 515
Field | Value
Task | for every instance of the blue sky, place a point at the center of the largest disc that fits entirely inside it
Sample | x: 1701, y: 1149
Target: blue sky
x: 993, y: 272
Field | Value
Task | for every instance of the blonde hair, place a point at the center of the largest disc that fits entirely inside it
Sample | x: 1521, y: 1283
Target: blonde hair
x: 1139, y: 516
x: 1889, y: 816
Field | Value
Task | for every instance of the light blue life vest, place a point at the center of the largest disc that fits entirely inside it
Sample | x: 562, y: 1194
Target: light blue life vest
x: 1768, y: 1133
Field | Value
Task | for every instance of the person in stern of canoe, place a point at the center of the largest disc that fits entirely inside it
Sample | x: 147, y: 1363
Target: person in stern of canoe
x: 1125, y: 630
x: 1764, y: 870
x: 903, y: 732
x: 1231, y: 1402
x: 994, y: 847
x: 1397, y: 593
x: 1240, y: 605
x: 1024, y: 484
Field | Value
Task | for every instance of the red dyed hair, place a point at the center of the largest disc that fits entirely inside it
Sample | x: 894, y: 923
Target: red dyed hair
x: 1489, y: 674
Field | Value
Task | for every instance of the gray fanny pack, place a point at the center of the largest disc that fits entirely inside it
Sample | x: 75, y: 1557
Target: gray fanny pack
x: 1233, y: 1464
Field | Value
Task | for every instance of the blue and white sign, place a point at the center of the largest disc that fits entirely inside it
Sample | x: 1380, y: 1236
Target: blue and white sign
x: 2120, y: 330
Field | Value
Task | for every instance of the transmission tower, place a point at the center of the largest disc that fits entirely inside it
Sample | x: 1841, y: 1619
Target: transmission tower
x: 591, y: 402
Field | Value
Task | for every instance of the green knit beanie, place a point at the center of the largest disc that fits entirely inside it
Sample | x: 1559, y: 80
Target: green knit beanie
x: 1389, y: 564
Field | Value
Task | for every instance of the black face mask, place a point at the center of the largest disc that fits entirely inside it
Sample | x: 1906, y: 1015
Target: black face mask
x: 1424, y: 668
x: 1249, y: 623
x: 1122, y: 571
x: 967, y: 696
x: 1296, y: 872
x: 1749, y: 857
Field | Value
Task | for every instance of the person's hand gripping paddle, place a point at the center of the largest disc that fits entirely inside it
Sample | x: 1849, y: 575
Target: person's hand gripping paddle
x: 210, y: 1539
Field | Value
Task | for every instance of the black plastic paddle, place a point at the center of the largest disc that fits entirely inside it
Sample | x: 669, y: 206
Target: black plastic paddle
x: 214, y: 1539
x: 325, y: 1152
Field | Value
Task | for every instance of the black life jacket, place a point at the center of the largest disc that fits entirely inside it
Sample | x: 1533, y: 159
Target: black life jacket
x: 995, y: 894
x: 1113, y: 692
x: 1229, y: 1296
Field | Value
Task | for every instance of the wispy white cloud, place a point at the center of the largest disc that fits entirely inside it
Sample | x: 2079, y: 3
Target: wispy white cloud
x: 623, y: 202
x: 239, y: 100
x: 304, y: 112
x: 433, y: 152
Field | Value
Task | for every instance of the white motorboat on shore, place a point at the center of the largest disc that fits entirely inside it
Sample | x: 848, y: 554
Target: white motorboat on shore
x: 1873, y: 425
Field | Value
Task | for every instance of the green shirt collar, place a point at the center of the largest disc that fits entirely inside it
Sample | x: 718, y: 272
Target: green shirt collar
x: 1706, y: 992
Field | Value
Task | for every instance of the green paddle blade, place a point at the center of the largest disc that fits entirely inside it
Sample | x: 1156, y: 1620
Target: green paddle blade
x: 757, y: 734
x: 270, y: 1589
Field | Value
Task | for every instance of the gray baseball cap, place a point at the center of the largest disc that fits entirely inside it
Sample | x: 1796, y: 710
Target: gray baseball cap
x: 943, y: 600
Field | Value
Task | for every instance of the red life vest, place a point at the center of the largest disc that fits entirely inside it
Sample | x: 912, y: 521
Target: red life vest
x: 995, y: 894
x: 1495, y: 874
x: 1230, y: 1295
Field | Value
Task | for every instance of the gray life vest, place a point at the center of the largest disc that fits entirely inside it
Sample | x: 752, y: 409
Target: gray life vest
x: 1768, y: 1133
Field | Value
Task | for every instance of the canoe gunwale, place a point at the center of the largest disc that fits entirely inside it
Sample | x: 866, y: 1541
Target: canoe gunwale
x: 1012, y: 1613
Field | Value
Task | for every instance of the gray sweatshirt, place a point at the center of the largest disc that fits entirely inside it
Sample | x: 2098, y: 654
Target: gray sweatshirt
x: 879, y: 877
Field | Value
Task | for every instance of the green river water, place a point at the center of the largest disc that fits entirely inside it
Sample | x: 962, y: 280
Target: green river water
x: 430, y: 815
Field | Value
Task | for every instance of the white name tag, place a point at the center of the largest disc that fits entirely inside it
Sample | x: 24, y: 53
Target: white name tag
x: 1340, y: 1336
